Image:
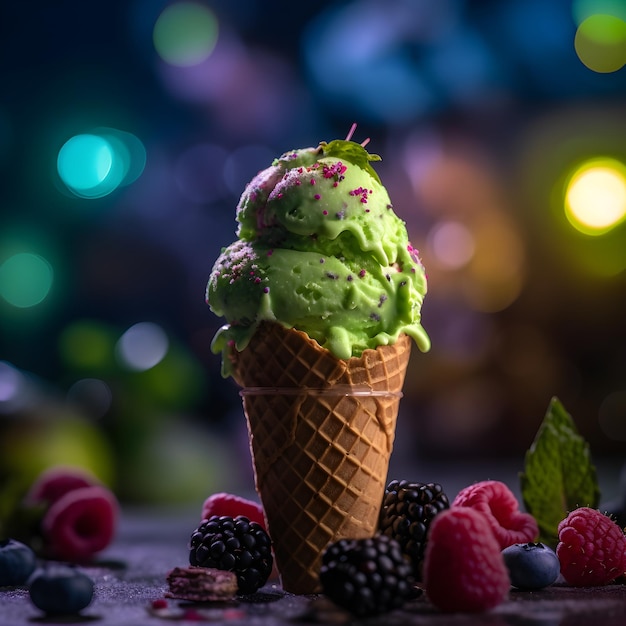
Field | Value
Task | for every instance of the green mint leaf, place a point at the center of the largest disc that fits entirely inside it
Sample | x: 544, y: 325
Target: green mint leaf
x: 353, y: 152
x: 559, y: 475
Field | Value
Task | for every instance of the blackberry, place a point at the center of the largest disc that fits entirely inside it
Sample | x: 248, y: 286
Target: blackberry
x: 407, y: 511
x: 235, y: 545
x: 366, y: 576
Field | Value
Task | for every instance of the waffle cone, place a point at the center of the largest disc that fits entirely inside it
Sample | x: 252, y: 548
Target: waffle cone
x: 321, y: 452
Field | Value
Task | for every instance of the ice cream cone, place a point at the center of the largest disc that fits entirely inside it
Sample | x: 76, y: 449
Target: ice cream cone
x: 321, y: 432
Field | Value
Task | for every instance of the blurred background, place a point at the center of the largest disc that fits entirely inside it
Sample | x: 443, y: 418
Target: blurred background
x: 128, y: 130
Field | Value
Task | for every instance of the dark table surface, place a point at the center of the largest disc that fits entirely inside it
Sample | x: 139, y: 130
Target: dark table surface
x: 131, y: 575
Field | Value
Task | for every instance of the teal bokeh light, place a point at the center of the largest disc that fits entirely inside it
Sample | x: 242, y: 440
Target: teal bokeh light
x: 93, y: 165
x: 25, y: 279
x: 84, y: 163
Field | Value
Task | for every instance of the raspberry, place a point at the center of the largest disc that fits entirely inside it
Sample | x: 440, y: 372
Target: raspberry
x: 407, y: 512
x: 55, y: 482
x: 366, y: 576
x: 464, y: 570
x: 231, y: 505
x: 591, y: 548
x: 235, y: 545
x: 80, y: 524
x: 497, y: 502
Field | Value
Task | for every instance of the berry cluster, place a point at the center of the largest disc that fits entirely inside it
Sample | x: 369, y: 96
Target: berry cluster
x: 466, y: 555
x: 74, y: 518
x: 374, y: 575
x: 55, y: 588
x: 464, y: 567
x: 78, y: 514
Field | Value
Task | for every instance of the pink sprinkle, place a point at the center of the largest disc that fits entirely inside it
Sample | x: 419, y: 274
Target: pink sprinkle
x: 298, y: 182
x: 324, y: 212
x: 312, y: 181
x: 280, y: 195
x: 335, y: 171
x: 160, y: 603
x: 317, y: 196
x: 413, y: 253
x: 362, y: 273
x: 266, y: 289
x: 257, y: 280
x: 270, y: 252
x: 360, y: 191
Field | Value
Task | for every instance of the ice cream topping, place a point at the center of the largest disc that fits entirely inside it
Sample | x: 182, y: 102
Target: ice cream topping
x: 319, y: 249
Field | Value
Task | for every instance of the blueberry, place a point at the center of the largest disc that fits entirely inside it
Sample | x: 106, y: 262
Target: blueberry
x: 17, y: 562
x: 60, y: 589
x: 531, y: 565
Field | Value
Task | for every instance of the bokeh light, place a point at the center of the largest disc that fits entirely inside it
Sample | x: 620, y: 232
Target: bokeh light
x: 600, y: 43
x: 87, y: 345
x: 185, y: 33
x: 595, y: 196
x: 142, y: 346
x: 84, y: 163
x: 92, y: 165
x: 55, y: 436
x: 25, y: 279
x: 13, y: 388
x: 452, y: 244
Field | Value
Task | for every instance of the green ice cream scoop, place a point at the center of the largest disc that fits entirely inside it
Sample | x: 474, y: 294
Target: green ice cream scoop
x: 320, y: 249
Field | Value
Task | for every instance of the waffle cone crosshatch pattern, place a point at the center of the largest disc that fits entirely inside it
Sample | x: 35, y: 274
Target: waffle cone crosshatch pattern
x: 321, y: 448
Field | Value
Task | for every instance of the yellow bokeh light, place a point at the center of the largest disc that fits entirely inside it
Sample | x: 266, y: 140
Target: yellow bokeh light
x: 595, y: 196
